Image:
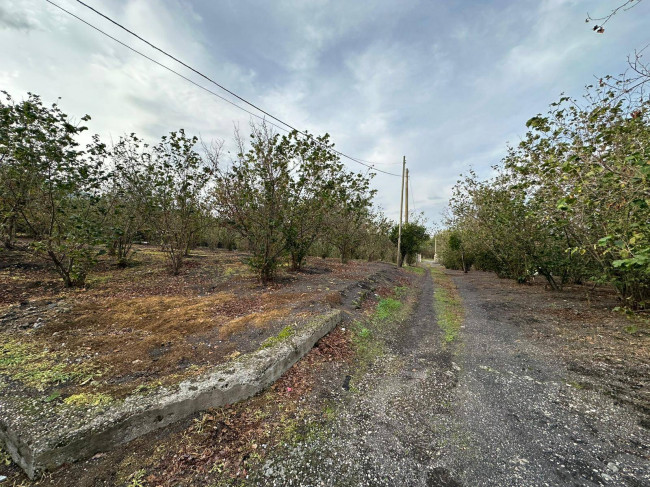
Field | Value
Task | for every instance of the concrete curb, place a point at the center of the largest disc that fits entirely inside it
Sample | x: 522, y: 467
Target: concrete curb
x: 39, y: 449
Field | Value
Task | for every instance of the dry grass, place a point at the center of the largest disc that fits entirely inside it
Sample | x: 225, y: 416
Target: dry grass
x: 141, y: 327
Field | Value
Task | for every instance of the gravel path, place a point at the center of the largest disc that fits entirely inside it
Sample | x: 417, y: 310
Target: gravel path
x: 488, y: 410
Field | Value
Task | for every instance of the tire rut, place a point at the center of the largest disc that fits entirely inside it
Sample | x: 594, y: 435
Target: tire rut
x: 388, y: 433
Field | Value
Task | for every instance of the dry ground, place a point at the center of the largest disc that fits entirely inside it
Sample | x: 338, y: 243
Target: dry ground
x: 140, y: 327
x: 219, y: 446
x: 532, y: 389
x: 608, y: 350
x: 575, y: 348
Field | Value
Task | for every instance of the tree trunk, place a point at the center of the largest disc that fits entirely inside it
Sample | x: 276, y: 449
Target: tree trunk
x: 10, y: 238
x: 549, y: 278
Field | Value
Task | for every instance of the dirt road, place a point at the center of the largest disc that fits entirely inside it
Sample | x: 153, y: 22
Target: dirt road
x: 491, y: 408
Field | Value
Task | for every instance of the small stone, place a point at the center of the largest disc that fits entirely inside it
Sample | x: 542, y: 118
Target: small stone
x: 612, y: 467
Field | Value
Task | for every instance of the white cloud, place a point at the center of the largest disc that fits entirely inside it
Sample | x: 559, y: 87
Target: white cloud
x: 446, y: 84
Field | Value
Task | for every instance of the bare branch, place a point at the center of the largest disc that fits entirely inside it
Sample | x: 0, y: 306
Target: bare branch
x: 601, y: 21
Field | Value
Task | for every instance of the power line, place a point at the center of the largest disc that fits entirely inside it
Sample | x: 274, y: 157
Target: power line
x: 167, y: 67
x: 162, y: 51
x: 305, y: 134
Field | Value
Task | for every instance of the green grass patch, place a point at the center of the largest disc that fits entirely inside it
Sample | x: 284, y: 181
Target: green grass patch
x: 417, y: 270
x: 88, y: 400
x: 366, y: 345
x: 285, y: 333
x: 364, y: 332
x: 369, y: 332
x: 387, y: 308
x: 36, y: 367
x: 448, y: 305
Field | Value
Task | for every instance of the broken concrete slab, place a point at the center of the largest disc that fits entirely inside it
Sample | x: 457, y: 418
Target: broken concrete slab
x: 39, y: 442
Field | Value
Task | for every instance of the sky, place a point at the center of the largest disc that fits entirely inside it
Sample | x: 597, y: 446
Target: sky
x: 446, y: 84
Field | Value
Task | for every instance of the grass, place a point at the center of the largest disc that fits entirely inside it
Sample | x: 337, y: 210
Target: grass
x: 448, y: 305
x: 40, y: 368
x: 285, y: 333
x: 401, y: 291
x: 387, y: 308
x: 368, y: 333
x: 575, y: 385
x: 416, y: 270
x: 88, y: 400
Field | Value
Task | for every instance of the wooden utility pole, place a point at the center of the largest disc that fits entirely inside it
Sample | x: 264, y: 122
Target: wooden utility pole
x: 435, y: 249
x: 406, y: 199
x: 401, y: 208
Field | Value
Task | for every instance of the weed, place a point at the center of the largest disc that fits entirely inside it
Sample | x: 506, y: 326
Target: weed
x: 218, y: 467
x: 364, y: 333
x: 39, y: 368
x: 285, y: 333
x: 575, y: 385
x: 329, y: 413
x: 448, y: 305
x: 387, y: 308
x: 137, y: 479
x: 5, y: 458
x: 401, y: 291
x: 54, y: 396
x: 201, y: 423
x: 88, y: 400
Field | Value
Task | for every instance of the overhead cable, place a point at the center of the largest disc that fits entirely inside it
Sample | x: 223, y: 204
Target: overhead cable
x: 368, y: 164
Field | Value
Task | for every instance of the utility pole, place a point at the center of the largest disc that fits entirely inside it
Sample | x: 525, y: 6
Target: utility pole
x: 435, y: 249
x: 406, y: 199
x: 401, y: 208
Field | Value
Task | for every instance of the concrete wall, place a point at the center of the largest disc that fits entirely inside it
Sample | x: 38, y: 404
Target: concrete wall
x: 74, y: 439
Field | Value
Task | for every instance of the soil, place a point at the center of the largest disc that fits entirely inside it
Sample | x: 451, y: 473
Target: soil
x: 608, y: 350
x: 503, y: 404
x: 139, y: 327
x: 222, y: 446
x: 538, y: 388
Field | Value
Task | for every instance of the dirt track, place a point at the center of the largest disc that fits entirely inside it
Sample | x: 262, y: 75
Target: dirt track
x: 497, y: 407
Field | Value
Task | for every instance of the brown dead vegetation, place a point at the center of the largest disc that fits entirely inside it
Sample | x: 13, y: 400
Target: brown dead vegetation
x: 221, y: 446
x: 139, y: 327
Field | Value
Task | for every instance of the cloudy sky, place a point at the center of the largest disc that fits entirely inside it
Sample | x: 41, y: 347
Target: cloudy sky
x: 447, y: 84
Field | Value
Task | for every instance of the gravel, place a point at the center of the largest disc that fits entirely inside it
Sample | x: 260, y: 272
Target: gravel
x: 491, y: 409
